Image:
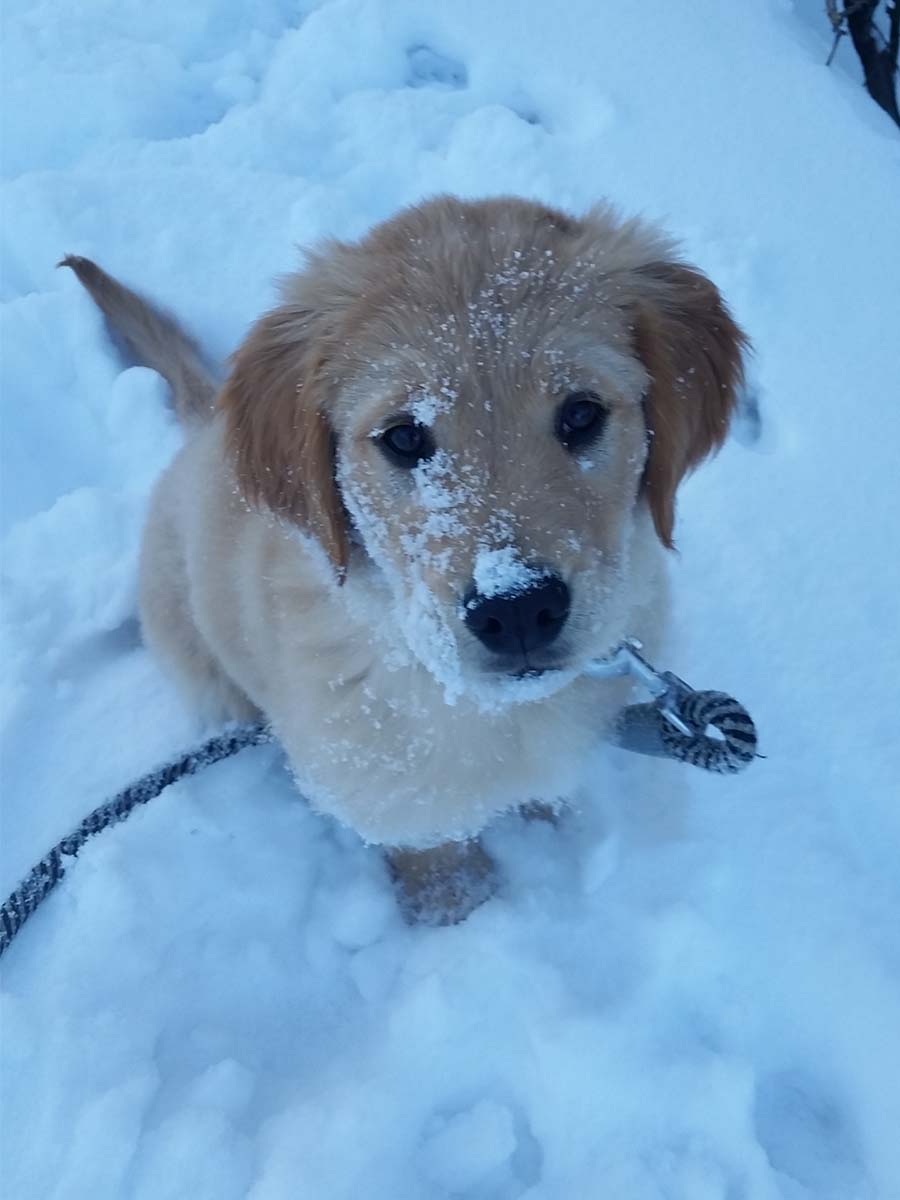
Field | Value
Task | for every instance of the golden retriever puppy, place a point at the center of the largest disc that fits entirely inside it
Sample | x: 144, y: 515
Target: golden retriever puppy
x: 437, y: 482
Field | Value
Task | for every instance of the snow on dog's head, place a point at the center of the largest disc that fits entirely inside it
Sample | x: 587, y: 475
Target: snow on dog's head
x: 489, y: 393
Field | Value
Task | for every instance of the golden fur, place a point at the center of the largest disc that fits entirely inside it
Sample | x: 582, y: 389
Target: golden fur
x: 290, y: 568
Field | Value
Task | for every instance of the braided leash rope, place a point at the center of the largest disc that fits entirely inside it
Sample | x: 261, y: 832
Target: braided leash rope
x: 726, y: 754
x: 677, y: 723
x: 46, y: 874
x: 648, y: 729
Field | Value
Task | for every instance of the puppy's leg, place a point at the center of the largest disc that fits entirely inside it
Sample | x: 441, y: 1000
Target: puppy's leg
x: 441, y: 886
x: 171, y: 632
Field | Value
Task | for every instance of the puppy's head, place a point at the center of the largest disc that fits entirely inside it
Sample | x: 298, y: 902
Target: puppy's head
x: 487, y: 395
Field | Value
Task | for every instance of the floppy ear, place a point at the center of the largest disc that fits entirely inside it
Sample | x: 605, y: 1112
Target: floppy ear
x: 693, y: 352
x: 278, y: 434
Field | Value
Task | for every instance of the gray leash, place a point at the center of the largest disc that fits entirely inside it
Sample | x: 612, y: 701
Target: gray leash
x: 674, y: 725
x: 46, y: 874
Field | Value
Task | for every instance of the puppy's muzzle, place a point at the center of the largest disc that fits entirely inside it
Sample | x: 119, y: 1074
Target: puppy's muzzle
x: 517, y: 623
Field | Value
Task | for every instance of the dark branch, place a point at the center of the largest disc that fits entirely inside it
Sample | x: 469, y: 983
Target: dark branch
x: 879, y: 63
x: 893, y: 12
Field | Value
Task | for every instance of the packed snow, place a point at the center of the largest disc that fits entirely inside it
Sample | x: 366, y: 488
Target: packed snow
x: 690, y: 988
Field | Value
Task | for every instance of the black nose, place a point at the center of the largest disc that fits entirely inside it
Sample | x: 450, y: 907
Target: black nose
x: 518, y: 622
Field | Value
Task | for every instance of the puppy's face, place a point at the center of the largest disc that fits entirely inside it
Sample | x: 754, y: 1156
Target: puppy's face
x: 487, y: 394
x: 491, y: 463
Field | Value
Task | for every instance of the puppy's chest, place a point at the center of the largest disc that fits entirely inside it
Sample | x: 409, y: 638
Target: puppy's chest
x: 396, y: 725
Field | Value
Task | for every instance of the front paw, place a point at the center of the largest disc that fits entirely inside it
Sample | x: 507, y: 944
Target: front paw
x: 441, y: 886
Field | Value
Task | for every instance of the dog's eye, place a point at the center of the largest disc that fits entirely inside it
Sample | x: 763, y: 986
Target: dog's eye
x: 407, y: 445
x: 580, y: 420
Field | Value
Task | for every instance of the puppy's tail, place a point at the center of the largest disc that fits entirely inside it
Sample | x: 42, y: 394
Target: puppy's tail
x: 152, y: 338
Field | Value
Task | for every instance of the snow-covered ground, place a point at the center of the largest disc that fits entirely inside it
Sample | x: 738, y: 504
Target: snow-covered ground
x: 691, y: 989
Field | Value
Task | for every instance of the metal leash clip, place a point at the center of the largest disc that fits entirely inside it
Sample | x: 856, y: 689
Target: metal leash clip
x: 677, y: 723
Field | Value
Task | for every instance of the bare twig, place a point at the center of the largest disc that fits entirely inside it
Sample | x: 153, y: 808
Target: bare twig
x: 838, y: 34
x: 837, y: 16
